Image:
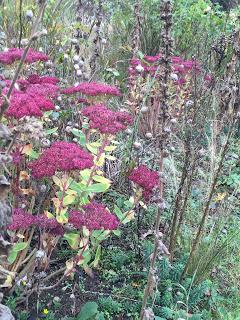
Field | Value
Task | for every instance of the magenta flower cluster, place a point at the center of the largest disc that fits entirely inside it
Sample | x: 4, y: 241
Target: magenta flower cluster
x: 14, y: 54
x: 93, y: 89
x: 32, y: 97
x: 60, y: 156
x: 106, y: 120
x: 94, y: 216
x: 146, y: 178
x: 24, y: 220
x: 151, y: 65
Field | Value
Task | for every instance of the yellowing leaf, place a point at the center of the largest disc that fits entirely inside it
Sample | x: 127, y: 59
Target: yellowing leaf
x: 28, y: 192
x: 23, y: 176
x: 100, y: 161
x: 27, y: 149
x: 56, y: 202
x: 58, y: 182
x: 111, y: 158
x: 69, y: 266
x: 49, y: 214
x: 69, y: 199
x: 102, y: 179
x: 220, y: 196
x: 129, y: 217
x: 110, y: 148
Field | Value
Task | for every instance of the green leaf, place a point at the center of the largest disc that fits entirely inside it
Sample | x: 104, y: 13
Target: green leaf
x: 72, y: 239
x: 78, y: 187
x: 15, y: 249
x: 100, y: 316
x: 80, y: 135
x: 88, y: 311
x: 117, y: 232
x: 50, y: 131
x: 97, y: 257
x: 93, y: 149
x: 118, y: 213
x: 101, y: 179
x: 85, y: 174
x: 98, y: 187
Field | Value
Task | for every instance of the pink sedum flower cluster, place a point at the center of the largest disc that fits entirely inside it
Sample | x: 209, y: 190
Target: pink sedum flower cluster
x: 60, y: 156
x: 21, y: 219
x: 24, y: 220
x: 14, y: 54
x: 93, y: 89
x: 94, y: 216
x: 32, y: 97
x: 151, y: 65
x: 147, y: 179
x: 106, y: 120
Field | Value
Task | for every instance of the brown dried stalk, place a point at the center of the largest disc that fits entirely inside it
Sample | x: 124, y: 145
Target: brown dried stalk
x: 163, y: 116
x: 96, y: 40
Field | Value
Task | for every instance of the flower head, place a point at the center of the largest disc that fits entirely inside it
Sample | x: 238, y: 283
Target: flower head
x: 106, y: 120
x: 32, y: 97
x: 147, y: 179
x: 94, y: 216
x: 14, y: 54
x: 21, y: 220
x: 93, y: 89
x: 61, y: 156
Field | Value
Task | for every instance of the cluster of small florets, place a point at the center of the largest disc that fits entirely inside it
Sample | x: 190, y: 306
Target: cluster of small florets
x: 13, y: 54
x: 94, y: 216
x: 106, y: 120
x: 24, y: 220
x: 93, y: 89
x: 60, y: 156
x: 151, y: 65
x: 21, y: 219
x: 31, y: 96
x: 147, y: 179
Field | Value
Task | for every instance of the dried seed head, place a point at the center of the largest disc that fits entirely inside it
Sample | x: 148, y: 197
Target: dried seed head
x: 68, y: 129
x: 40, y: 254
x: 174, y: 77
x: 148, y: 135
x: 76, y: 58
x: 79, y: 73
x: 137, y: 145
x: 144, y: 110
x: 139, y: 68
